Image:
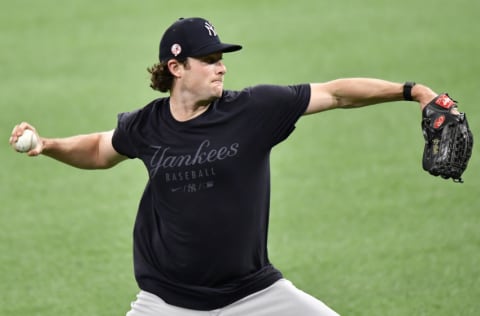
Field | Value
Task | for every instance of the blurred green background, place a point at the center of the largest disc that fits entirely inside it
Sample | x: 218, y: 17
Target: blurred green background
x: 355, y: 220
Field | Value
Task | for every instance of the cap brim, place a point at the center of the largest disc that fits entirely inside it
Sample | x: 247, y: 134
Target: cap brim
x: 217, y: 48
x: 231, y: 48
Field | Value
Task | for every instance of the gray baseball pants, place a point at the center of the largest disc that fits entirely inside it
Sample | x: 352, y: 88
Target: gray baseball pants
x: 280, y: 299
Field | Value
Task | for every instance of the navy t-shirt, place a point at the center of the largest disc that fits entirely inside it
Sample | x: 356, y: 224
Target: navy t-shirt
x: 200, y: 236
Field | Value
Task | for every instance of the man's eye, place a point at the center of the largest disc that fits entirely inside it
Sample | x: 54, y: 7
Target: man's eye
x: 211, y: 60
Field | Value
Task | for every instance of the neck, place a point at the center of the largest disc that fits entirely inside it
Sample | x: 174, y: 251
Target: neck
x: 184, y: 111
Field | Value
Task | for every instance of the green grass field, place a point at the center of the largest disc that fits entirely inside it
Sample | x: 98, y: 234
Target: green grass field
x: 355, y: 220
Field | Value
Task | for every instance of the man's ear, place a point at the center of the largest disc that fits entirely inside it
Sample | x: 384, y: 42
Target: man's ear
x: 175, y: 67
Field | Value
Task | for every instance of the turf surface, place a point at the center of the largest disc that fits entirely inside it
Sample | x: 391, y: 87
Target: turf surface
x: 355, y: 221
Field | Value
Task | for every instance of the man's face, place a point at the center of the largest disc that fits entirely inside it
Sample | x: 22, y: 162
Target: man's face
x: 203, y: 76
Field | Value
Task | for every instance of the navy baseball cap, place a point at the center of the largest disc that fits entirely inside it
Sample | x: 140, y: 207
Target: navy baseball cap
x: 192, y: 37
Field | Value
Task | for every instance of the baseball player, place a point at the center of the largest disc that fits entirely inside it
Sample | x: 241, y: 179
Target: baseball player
x: 200, y: 236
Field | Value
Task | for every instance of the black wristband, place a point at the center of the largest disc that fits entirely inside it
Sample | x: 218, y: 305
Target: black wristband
x: 407, y: 90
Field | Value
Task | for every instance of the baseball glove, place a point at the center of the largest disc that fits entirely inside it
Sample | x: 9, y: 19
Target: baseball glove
x: 448, y: 139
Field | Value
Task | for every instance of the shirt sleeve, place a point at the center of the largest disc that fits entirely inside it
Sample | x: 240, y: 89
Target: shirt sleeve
x: 122, y: 136
x: 278, y: 108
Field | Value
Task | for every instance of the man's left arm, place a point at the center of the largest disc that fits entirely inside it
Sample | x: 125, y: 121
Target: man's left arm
x: 358, y: 92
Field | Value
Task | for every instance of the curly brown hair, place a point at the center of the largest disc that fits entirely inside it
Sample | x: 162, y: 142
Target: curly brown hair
x: 161, y: 78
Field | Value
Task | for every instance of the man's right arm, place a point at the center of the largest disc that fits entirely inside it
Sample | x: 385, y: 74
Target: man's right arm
x: 89, y: 151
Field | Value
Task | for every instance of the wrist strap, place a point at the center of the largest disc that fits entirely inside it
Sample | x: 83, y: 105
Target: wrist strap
x: 407, y: 90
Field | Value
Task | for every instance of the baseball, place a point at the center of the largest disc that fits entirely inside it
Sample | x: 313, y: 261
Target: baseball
x: 26, y: 142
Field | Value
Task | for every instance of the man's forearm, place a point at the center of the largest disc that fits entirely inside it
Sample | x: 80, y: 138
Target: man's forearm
x: 81, y: 151
x: 357, y: 92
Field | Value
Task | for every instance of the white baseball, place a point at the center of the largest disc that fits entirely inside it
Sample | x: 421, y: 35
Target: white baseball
x: 26, y: 142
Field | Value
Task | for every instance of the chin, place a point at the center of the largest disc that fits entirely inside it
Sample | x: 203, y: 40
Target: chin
x: 218, y: 92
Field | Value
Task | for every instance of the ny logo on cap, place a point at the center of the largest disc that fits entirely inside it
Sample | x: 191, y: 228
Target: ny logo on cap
x: 210, y: 29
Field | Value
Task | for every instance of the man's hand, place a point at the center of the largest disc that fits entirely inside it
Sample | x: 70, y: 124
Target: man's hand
x: 18, y: 131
